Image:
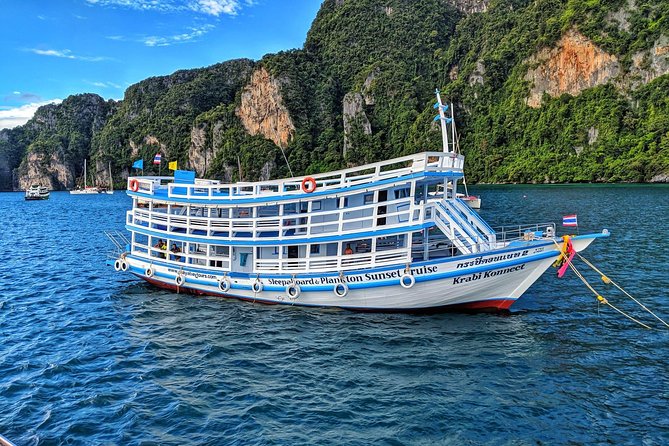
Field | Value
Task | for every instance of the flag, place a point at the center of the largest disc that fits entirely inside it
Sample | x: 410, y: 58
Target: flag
x: 172, y: 165
x: 569, y: 220
x: 157, y: 158
x: 139, y: 164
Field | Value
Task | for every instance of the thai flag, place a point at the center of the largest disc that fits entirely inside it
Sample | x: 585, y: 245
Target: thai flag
x: 157, y: 158
x: 569, y: 220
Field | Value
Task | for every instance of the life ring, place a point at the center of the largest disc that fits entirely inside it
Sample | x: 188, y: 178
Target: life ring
x: 340, y: 289
x: 308, y: 185
x: 257, y: 286
x: 410, y: 278
x: 134, y: 185
x: 293, y: 291
x: 117, y: 265
x: 179, y: 280
x: 149, y: 272
x: 224, y: 284
x: 124, y: 266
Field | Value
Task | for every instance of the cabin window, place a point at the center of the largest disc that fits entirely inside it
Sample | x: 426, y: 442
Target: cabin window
x: 268, y: 211
x: 391, y: 242
x: 402, y: 193
x: 198, y: 211
x: 316, y: 206
x: 358, y: 246
x: 314, y: 249
x: 290, y: 208
x: 368, y: 198
x: 243, y: 212
x: 343, y: 202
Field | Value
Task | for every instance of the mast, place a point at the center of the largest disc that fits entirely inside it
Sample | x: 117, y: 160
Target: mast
x: 444, y: 121
x: 85, y: 182
x: 111, y: 179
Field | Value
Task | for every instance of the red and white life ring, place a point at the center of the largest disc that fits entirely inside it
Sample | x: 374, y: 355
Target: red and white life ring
x: 134, y: 185
x: 308, y: 185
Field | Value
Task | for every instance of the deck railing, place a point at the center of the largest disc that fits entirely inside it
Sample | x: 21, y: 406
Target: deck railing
x: 384, y: 170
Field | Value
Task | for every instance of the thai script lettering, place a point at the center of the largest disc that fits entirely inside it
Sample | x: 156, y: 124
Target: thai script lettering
x: 485, y: 260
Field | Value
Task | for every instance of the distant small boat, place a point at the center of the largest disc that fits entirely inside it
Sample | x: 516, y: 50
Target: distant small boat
x: 472, y: 201
x: 37, y: 192
x: 87, y: 189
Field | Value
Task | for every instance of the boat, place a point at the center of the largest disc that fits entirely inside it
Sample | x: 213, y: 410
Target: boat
x: 86, y: 189
x: 377, y: 237
x: 472, y: 201
x: 37, y: 192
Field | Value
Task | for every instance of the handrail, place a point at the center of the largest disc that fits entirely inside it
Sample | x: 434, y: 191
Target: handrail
x: 209, y: 189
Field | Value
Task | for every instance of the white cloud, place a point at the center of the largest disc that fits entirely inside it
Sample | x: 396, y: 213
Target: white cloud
x: 207, y: 7
x: 105, y: 84
x: 178, y: 38
x: 12, y: 117
x: 67, y: 54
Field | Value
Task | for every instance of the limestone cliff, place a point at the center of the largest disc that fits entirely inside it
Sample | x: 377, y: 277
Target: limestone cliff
x: 354, y: 115
x: 48, y: 170
x: 262, y: 111
x: 573, y: 65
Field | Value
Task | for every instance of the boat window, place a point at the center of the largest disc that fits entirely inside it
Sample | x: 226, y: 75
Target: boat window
x: 343, y: 202
x: 359, y: 246
x: 243, y: 212
x: 316, y: 206
x: 402, y: 193
x: 368, y: 198
x: 391, y: 242
x: 198, y: 211
x: 176, y: 209
x: 289, y: 208
x: 141, y: 239
x: 268, y: 211
x: 314, y: 249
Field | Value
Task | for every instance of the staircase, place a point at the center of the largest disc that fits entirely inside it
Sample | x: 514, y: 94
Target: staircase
x: 463, y: 226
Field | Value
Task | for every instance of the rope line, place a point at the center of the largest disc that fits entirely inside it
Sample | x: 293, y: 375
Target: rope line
x: 599, y: 296
x: 608, y: 280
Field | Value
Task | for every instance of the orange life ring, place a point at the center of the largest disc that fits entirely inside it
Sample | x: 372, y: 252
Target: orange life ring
x: 134, y: 185
x: 308, y: 185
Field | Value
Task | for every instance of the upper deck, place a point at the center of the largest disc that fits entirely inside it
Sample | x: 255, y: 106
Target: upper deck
x: 440, y: 164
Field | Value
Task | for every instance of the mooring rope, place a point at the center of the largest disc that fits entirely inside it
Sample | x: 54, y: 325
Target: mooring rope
x: 605, y: 279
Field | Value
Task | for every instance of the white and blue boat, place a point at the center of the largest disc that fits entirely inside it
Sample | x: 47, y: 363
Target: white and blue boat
x: 387, y: 236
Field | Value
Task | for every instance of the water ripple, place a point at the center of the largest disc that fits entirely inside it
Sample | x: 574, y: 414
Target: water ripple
x: 88, y: 356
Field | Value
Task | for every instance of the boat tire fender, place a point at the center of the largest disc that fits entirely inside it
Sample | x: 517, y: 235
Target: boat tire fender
x: 340, y: 289
x: 124, y: 265
x: 224, y: 284
x: 134, y: 185
x: 257, y: 286
x: 308, y: 185
x: 149, y: 272
x: 293, y: 291
x: 179, y: 280
x: 117, y: 265
x: 407, y: 281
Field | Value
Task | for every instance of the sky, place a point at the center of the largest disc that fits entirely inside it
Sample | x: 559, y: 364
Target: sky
x: 52, y: 49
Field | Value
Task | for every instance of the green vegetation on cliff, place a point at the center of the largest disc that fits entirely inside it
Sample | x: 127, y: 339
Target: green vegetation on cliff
x: 389, y: 56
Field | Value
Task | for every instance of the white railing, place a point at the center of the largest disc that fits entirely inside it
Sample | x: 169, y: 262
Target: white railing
x: 335, y: 263
x: 343, y: 221
x: 394, y: 168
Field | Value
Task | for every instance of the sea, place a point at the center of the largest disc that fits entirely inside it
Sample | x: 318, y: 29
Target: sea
x: 89, y: 356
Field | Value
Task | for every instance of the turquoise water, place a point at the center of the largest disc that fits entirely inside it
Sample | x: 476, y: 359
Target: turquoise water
x: 90, y: 356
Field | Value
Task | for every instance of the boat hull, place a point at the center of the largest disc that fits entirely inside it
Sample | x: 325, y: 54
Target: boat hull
x: 490, y: 281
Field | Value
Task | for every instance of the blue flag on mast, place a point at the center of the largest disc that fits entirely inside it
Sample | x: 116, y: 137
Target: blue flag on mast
x: 139, y: 164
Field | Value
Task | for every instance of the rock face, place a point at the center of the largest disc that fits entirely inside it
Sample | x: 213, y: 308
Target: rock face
x: 262, y: 111
x: 572, y: 66
x: 651, y: 64
x: 203, y: 146
x: 470, y: 6
x: 354, y: 114
x: 46, y: 170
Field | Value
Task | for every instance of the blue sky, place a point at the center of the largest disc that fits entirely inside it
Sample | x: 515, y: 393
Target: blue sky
x: 55, y: 48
